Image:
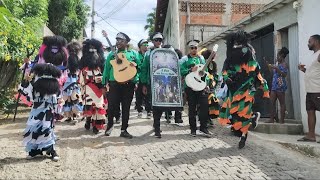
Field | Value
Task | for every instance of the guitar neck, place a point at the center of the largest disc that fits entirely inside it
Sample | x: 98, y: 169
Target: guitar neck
x: 112, y: 48
x: 212, y: 56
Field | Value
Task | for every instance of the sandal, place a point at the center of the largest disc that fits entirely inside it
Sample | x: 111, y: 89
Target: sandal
x: 305, y: 139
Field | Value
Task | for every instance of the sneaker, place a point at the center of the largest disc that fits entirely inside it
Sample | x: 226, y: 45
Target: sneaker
x: 157, y: 135
x: 108, y: 131
x: 139, y: 114
x: 193, y: 133
x: 54, y: 156
x: 125, y: 134
x: 255, y: 119
x: 149, y: 115
x: 205, y: 132
x: 242, y: 141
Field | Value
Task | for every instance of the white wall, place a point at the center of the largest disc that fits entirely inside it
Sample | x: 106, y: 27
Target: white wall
x: 221, y: 53
x: 171, y: 30
x: 308, y: 20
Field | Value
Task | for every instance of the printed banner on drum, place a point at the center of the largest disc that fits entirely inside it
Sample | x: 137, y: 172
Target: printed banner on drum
x: 165, y: 79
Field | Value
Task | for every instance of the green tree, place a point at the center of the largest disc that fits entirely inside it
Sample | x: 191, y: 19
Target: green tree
x: 151, y: 18
x: 68, y: 17
x: 21, y: 23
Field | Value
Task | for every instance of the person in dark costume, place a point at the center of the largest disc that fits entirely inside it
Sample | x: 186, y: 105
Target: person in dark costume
x: 241, y: 72
x: 43, y: 90
x: 90, y: 80
x: 71, y: 90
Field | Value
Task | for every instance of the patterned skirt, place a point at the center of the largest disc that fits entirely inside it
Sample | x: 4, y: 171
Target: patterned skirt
x: 39, y: 134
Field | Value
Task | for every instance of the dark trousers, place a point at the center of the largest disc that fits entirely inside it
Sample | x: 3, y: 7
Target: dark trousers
x: 140, y: 98
x: 120, y: 93
x: 195, y: 98
x: 157, y: 113
x: 177, y: 115
x: 117, y: 113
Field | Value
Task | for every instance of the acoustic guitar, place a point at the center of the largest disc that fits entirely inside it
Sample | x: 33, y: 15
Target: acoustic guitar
x: 123, y: 70
x: 193, y: 79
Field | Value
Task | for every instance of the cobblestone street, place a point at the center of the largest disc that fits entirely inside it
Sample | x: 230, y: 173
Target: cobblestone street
x: 176, y: 156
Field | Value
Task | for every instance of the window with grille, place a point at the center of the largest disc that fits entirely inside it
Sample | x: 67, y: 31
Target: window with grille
x: 204, y: 7
x: 244, y: 8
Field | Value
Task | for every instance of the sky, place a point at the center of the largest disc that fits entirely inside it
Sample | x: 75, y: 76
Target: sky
x: 128, y: 16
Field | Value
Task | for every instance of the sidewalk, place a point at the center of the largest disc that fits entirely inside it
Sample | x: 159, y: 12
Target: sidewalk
x: 290, y: 141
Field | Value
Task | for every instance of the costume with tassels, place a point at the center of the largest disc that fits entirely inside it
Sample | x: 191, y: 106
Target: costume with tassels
x: 71, y: 90
x: 43, y: 91
x: 241, y: 73
x: 90, y: 80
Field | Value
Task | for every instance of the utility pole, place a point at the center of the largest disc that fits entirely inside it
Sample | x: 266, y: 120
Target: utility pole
x: 92, y: 23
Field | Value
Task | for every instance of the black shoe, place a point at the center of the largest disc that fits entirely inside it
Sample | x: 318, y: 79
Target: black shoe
x: 108, y: 130
x: 87, y: 125
x: 242, y: 141
x: 205, y: 132
x: 54, y: 156
x: 157, y: 135
x: 125, y: 134
x: 255, y: 119
x: 193, y: 133
x: 95, y: 130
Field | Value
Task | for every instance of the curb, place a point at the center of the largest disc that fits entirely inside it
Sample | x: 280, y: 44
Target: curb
x: 311, y: 149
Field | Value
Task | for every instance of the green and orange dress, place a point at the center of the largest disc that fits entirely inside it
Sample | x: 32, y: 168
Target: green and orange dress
x: 213, y: 83
x: 237, y: 108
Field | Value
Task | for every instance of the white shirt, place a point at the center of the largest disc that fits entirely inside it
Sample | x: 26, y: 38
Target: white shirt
x: 312, y: 76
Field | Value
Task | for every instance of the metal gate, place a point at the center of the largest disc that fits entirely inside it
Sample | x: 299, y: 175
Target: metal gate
x: 264, y: 47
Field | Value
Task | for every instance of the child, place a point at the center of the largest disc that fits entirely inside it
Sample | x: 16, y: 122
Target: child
x: 43, y: 91
x: 214, y: 81
x: 90, y: 79
x: 71, y: 90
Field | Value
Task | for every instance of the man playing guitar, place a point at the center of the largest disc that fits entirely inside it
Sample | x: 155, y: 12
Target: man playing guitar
x: 120, y: 92
x: 195, y: 98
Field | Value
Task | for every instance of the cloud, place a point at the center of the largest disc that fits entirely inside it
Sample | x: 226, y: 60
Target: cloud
x: 131, y: 19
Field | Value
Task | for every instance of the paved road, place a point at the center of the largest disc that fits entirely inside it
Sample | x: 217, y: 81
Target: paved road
x: 176, y: 156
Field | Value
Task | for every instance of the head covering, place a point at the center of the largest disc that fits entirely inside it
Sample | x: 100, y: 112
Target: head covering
x: 193, y: 43
x: 157, y: 35
x: 122, y: 35
x: 142, y: 41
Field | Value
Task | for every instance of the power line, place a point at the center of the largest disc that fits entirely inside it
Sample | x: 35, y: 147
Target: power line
x: 117, y: 10
x: 104, y: 5
x: 127, y: 19
x: 113, y: 26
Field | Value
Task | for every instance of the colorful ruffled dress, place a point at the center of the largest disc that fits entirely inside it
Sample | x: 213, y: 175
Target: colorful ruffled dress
x: 92, y: 95
x: 237, y: 108
x: 214, y: 82
x: 71, y: 94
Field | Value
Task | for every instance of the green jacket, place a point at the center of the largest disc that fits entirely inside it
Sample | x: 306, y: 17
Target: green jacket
x: 131, y: 55
x: 141, y: 59
x: 145, y: 68
x: 186, y: 62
